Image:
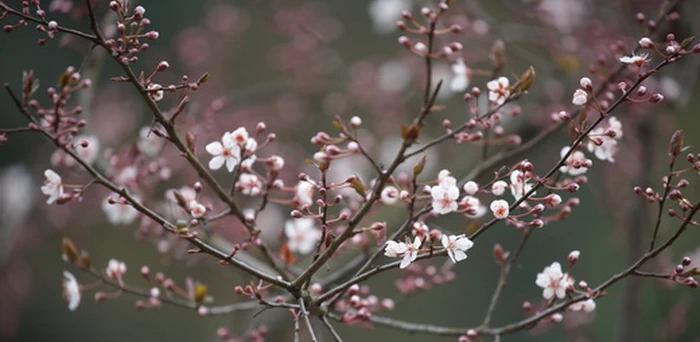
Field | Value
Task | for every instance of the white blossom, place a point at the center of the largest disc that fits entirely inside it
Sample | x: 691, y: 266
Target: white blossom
x: 445, y: 196
x: 302, y: 235
x: 395, y: 249
x: 553, y: 281
x: 407, y: 251
x: 607, y: 148
x: 53, y: 186
x: 249, y: 184
x: 518, y: 184
x: 155, y: 94
x: 499, y: 90
x: 197, y: 210
x: 411, y: 253
x: 115, y: 269
x: 471, y: 205
x: 638, y: 60
x: 500, y: 209
x: 456, y: 246
x: 471, y: 187
x: 420, y: 229
x: 499, y: 187
x: 580, y: 97
x: 227, y: 151
x: 575, y: 164
x: 71, y: 290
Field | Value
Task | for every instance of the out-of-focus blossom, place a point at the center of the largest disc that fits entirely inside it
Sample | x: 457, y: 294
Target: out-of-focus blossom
x: 638, y: 60
x: 119, y: 214
x: 304, y: 193
x: 302, y: 235
x: 580, y: 97
x: 71, y: 290
x: 461, y: 77
x: 149, y: 143
x: 390, y: 195
x: 393, y: 76
x: 603, y: 146
x: 385, y: 14
x: 585, y: 306
x: 53, y: 186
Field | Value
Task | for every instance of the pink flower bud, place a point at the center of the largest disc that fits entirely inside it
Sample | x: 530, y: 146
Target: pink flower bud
x: 656, y: 98
x: 646, y: 43
x: 586, y: 84
x: 573, y: 257
x: 355, y: 121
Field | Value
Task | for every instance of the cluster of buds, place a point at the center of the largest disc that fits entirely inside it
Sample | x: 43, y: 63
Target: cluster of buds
x: 358, y: 305
x: 252, y: 290
x: 62, y: 122
x: 412, y: 25
x: 684, y: 275
x: 131, y: 27
x: 329, y: 144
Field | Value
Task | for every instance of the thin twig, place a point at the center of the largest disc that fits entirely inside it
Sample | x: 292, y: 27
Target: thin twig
x: 307, y: 320
x: 330, y: 328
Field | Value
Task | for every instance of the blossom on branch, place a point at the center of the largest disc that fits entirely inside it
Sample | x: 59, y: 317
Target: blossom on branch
x: 408, y: 251
x: 576, y: 164
x: 53, y: 186
x: 553, y: 281
x: 518, y: 184
x: 500, y: 209
x: 499, y: 90
x: 445, y: 196
x: 227, y: 151
x: 456, y: 246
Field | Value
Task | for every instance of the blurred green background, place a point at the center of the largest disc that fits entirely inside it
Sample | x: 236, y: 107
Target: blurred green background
x: 601, y: 228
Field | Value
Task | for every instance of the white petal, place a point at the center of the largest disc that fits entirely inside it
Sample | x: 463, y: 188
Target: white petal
x: 216, y: 162
x: 52, y: 176
x: 464, y: 243
x: 214, y: 148
x: 405, y: 261
x: 459, y: 256
x: 451, y: 254
x: 231, y: 163
x: 548, y: 293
